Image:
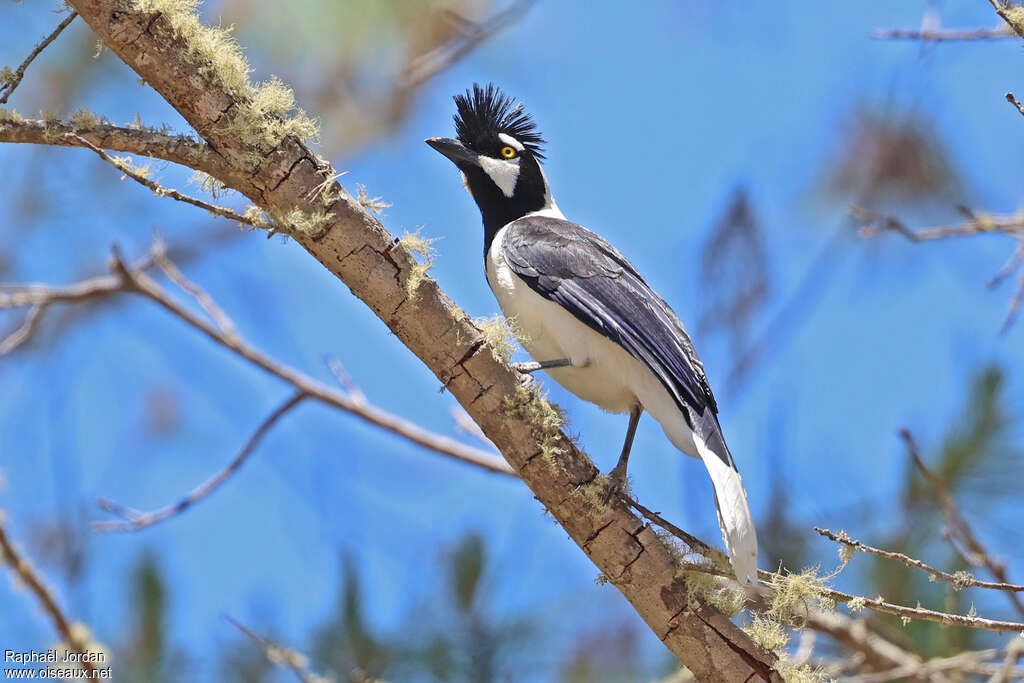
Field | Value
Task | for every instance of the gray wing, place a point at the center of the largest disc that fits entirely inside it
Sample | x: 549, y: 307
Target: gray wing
x: 580, y: 271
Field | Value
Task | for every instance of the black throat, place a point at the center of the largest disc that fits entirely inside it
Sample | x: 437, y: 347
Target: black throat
x: 496, y: 209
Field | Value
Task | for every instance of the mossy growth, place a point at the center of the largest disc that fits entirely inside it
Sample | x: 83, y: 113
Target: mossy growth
x: 498, y: 334
x: 768, y: 632
x: 794, y: 595
x: 129, y: 167
x: 802, y: 674
x: 84, y: 119
x: 1014, y: 16
x: 267, y: 113
x: 724, y: 595
x: 530, y: 403
x: 207, y: 183
x: 375, y: 204
x: 417, y: 244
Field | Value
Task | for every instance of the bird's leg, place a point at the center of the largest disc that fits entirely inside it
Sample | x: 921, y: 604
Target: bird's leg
x: 533, y: 365
x: 617, y: 477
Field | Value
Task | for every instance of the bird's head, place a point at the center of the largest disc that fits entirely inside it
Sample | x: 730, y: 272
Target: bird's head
x: 498, y: 150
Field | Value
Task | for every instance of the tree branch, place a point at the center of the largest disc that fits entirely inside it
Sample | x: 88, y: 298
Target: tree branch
x: 959, y: 580
x: 179, y: 149
x: 944, y: 35
x: 10, y: 80
x: 958, y: 526
x: 132, y: 279
x: 136, y: 174
x: 74, y: 634
x: 133, y: 520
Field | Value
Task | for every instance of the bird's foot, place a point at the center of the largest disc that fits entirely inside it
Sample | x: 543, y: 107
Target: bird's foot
x: 617, y: 484
x: 527, y: 367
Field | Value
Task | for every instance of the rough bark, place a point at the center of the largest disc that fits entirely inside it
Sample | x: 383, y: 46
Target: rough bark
x: 363, y: 255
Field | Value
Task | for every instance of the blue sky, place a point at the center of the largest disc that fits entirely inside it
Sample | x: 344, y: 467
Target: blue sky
x: 652, y: 115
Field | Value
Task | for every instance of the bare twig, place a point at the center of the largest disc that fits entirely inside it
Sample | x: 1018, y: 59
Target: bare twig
x: 974, y: 661
x: 878, y: 223
x: 958, y: 526
x: 75, y: 635
x: 878, y: 605
x: 959, y: 579
x: 282, y: 656
x: 1013, y: 100
x: 161, y: 191
x: 13, y: 79
x: 1006, y: 671
x: 471, y: 34
x: 944, y: 34
x: 23, y: 332
x: 217, y: 315
x: 132, y: 278
x: 39, y: 297
x: 874, y: 604
x: 135, y: 519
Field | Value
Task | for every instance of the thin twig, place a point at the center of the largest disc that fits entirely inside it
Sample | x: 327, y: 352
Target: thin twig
x: 958, y: 526
x: 877, y: 605
x: 1013, y: 652
x: 161, y: 191
x: 471, y: 34
x: 133, y: 279
x: 39, y: 297
x: 1013, y: 100
x: 280, y: 655
x: 23, y: 332
x: 135, y: 520
x: 14, y: 79
x: 878, y: 223
x: 874, y: 604
x: 960, y: 579
x: 216, y: 313
x: 26, y: 573
x: 944, y: 34
x: 968, y: 662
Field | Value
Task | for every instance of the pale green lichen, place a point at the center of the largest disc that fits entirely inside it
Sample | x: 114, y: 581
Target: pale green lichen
x: 84, y: 119
x: 499, y: 336
x: 803, y: 674
x: 129, y: 167
x: 794, y: 595
x: 963, y: 579
x: 266, y: 114
x: 530, y: 403
x: 417, y: 244
x: 856, y: 604
x: 207, y: 183
x: 725, y: 595
x: 1014, y: 16
x: 11, y: 115
x: 259, y: 219
x: 768, y: 632
x: 375, y: 204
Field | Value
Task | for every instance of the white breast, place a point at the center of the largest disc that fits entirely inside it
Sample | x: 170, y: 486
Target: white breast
x: 603, y: 372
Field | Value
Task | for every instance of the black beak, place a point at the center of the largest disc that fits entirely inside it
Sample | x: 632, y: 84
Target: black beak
x: 454, y: 150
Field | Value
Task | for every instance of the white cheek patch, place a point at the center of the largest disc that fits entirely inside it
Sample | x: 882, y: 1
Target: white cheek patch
x: 504, y: 173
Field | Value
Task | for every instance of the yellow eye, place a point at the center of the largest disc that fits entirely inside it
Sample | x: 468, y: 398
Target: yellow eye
x: 508, y: 152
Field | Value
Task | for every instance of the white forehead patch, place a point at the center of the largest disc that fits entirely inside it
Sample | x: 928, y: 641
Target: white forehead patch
x: 504, y: 172
x: 511, y: 142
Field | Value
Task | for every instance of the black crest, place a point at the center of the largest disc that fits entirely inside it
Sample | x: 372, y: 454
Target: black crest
x: 485, y: 112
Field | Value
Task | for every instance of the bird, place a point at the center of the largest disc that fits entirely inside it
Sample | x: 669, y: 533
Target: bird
x: 583, y: 312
